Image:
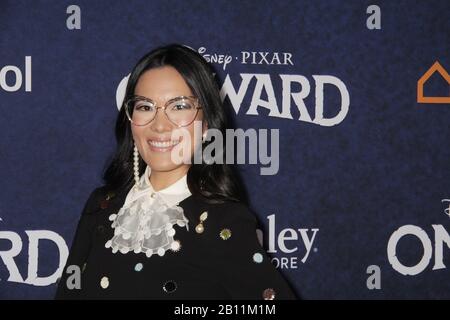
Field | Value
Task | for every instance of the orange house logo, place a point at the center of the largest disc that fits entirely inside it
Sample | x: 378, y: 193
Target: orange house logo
x: 436, y: 67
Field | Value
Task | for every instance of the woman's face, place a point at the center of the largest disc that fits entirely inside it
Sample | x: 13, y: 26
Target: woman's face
x: 160, y: 85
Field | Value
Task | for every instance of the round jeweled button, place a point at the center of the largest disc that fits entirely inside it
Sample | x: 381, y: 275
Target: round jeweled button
x: 170, y: 286
x: 225, y: 234
x: 104, y: 204
x: 175, y: 246
x: 199, y: 228
x: 258, y: 257
x: 268, y: 294
x: 161, y: 251
x: 104, y: 282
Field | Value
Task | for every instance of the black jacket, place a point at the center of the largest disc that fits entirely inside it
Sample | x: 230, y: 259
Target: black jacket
x: 205, y: 267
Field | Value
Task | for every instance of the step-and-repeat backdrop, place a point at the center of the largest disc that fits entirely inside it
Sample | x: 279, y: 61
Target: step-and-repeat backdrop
x: 353, y: 203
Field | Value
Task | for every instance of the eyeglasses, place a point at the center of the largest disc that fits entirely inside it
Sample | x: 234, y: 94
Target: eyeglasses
x: 181, y: 111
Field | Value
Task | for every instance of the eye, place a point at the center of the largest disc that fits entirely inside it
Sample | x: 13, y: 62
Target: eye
x: 143, y: 107
x: 182, y: 106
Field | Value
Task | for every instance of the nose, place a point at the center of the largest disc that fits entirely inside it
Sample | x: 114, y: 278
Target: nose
x: 160, y: 123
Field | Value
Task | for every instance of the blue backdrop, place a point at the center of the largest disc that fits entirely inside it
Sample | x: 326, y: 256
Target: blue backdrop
x: 357, y: 209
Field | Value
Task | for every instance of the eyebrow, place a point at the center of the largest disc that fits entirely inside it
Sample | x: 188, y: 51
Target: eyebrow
x: 170, y: 100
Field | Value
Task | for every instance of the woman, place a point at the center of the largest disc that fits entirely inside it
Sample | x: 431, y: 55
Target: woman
x: 166, y: 229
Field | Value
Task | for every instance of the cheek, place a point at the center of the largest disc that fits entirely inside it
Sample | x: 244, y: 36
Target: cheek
x: 138, y: 137
x: 196, y: 141
x: 185, y: 150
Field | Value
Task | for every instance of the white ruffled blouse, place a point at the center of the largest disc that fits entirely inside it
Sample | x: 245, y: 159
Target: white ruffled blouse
x: 145, y: 222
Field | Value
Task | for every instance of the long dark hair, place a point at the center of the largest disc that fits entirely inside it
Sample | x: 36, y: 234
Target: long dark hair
x: 212, y: 182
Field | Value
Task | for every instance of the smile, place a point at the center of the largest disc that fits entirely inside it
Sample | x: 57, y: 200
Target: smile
x: 164, y: 145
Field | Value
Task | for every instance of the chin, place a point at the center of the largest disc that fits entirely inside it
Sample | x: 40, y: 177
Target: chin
x: 163, y: 167
x: 161, y: 164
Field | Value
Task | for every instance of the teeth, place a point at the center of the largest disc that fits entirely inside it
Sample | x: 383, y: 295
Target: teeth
x: 163, y: 144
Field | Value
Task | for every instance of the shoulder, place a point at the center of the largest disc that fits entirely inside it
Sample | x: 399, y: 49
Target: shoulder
x: 221, y: 212
x: 233, y: 212
x: 99, y: 199
x: 230, y: 221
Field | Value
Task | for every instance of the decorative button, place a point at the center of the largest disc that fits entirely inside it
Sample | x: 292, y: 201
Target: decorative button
x: 124, y: 250
x: 104, y: 283
x: 204, y: 216
x: 110, y: 195
x: 138, y: 267
x: 199, y: 228
x: 225, y: 234
x: 175, y: 246
x: 269, y: 294
x: 170, y: 286
x: 258, y: 257
x: 101, y: 229
x: 153, y: 195
x: 104, y: 204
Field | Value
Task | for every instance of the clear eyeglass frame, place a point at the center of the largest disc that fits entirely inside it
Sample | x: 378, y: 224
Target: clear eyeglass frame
x: 179, y: 98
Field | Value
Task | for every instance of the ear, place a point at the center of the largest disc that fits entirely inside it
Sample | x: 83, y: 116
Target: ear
x: 204, y: 128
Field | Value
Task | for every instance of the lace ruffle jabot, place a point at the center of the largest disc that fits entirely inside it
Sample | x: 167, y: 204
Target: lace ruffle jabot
x: 146, y: 221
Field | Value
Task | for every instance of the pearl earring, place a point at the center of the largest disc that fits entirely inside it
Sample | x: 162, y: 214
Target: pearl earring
x: 136, y: 166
